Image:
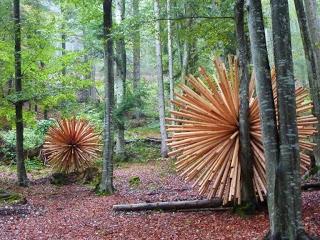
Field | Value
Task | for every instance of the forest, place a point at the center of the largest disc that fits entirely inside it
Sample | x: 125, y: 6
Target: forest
x: 160, y: 119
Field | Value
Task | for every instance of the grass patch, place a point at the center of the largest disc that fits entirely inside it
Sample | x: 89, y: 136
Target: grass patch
x: 134, y: 181
x: 150, y: 130
x: 140, y: 151
x: 10, y: 198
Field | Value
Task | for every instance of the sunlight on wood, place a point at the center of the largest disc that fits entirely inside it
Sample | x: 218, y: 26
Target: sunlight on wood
x: 71, y: 145
x: 205, y: 133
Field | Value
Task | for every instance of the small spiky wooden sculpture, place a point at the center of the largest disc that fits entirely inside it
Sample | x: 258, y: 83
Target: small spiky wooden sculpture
x: 71, y: 145
x: 205, y: 133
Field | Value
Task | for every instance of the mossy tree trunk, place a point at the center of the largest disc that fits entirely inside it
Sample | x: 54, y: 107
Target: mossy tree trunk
x: 21, y: 170
x: 308, y: 24
x: 247, y: 190
x: 106, y: 184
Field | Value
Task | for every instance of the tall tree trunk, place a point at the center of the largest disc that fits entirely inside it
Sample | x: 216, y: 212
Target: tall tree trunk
x: 288, y: 171
x: 93, y: 89
x: 186, y: 45
x: 63, y: 38
x: 121, y: 63
x: 170, y: 54
x: 313, y: 19
x: 266, y: 104
x: 136, y: 53
x: 161, y: 102
x: 309, y: 22
x: 21, y: 170
x: 106, y: 184
x: 246, y: 160
x: 185, y: 60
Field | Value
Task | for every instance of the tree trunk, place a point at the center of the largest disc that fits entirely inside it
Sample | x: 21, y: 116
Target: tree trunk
x: 313, y: 19
x: 170, y: 54
x: 177, y: 205
x: 186, y: 46
x: 161, y: 102
x: 136, y: 54
x: 93, y: 89
x: 63, y: 39
x: 313, y: 23
x: 45, y: 113
x: 120, y: 81
x: 185, y: 60
x: 266, y: 104
x: 21, y: 170
x: 288, y: 183
x: 246, y: 161
x: 106, y: 184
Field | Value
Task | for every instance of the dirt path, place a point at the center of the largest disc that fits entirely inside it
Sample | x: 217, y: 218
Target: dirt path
x: 74, y: 212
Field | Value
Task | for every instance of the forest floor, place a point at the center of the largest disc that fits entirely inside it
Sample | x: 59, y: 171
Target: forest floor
x: 76, y: 212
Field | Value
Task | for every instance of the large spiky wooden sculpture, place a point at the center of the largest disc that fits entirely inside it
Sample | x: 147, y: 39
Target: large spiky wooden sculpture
x: 205, y: 133
x: 71, y: 145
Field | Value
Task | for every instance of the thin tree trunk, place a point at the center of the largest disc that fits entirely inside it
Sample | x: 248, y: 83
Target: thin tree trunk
x: 185, y: 60
x: 106, y: 184
x: 186, y: 46
x: 120, y: 82
x: 266, y: 104
x: 136, y: 53
x: 21, y: 170
x: 161, y: 102
x: 45, y: 114
x: 312, y: 20
x: 63, y: 39
x: 246, y: 161
x: 93, y: 89
x: 170, y: 54
x: 288, y: 170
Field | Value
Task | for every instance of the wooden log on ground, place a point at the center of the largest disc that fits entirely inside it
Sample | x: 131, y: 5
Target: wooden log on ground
x: 310, y: 186
x: 170, y: 206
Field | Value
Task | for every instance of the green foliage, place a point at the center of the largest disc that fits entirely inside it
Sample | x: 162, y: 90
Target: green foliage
x: 10, y: 198
x: 140, y: 151
x: 134, y: 181
x: 33, y: 138
x: 34, y: 165
x: 132, y: 100
x: 149, y: 129
x: 93, y: 112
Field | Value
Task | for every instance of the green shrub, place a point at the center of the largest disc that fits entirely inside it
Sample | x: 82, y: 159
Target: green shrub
x: 33, y: 138
x: 134, y: 181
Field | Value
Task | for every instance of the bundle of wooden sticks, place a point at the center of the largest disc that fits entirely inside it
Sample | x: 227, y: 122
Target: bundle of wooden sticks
x: 71, y: 145
x: 205, y: 133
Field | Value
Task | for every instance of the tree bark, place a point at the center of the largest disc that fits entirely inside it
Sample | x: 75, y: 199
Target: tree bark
x: 21, y: 170
x: 120, y: 82
x: 186, y: 47
x: 247, y: 190
x: 266, y: 104
x: 177, y: 205
x: 161, y: 102
x: 136, y: 54
x: 170, y: 54
x: 106, y: 184
x: 313, y: 23
x: 288, y: 170
x: 63, y: 39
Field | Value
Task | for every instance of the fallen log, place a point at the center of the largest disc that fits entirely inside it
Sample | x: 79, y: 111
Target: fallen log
x: 166, y: 206
x: 311, y: 186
